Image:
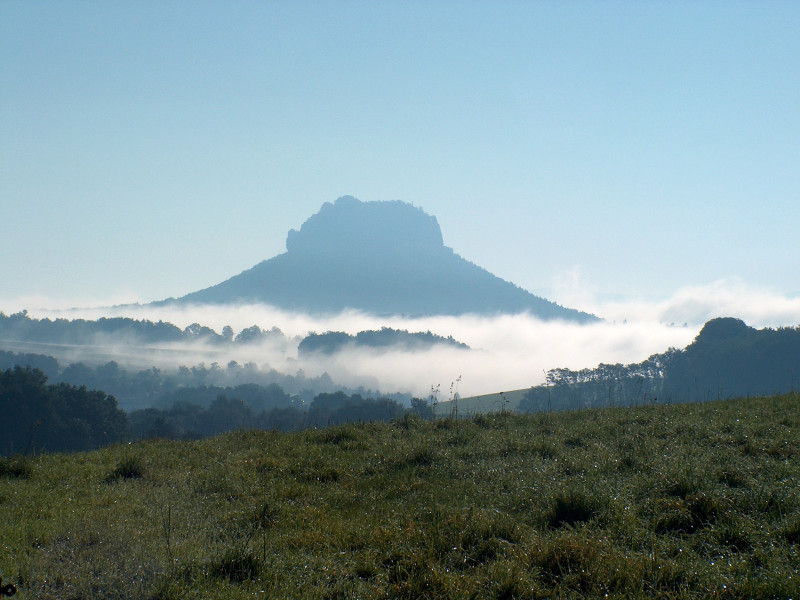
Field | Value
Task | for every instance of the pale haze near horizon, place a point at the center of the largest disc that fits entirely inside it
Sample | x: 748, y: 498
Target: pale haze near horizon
x: 596, y: 154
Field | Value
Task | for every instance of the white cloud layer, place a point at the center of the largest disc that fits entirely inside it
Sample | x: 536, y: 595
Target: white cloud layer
x: 507, y: 352
x: 695, y: 305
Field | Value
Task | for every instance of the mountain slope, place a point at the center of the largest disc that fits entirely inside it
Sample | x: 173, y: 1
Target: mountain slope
x: 379, y: 257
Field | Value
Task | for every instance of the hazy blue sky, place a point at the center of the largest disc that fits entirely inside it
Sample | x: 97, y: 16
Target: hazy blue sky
x: 149, y: 149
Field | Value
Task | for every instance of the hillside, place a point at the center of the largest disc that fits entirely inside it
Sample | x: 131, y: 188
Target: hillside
x: 379, y: 257
x: 687, y: 501
x: 727, y: 359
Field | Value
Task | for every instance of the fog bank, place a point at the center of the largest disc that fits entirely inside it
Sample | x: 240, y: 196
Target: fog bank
x: 506, y: 352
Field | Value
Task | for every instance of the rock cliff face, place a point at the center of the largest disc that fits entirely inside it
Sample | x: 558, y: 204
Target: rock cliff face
x: 351, y: 229
x: 378, y: 257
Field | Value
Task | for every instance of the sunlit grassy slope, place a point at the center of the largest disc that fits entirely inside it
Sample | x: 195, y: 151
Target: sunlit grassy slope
x: 687, y: 501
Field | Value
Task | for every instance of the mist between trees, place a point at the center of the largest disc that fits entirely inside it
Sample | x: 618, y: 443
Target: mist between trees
x: 124, y: 356
x: 63, y: 417
x: 727, y: 359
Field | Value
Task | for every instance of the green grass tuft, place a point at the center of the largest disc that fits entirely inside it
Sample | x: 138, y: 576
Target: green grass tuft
x: 236, y: 567
x: 129, y: 467
x: 570, y: 508
x: 16, y: 467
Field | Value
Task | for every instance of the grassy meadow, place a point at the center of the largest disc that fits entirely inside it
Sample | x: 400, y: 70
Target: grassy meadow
x: 680, y: 501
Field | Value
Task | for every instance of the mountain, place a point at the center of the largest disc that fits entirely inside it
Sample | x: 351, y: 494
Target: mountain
x: 379, y: 257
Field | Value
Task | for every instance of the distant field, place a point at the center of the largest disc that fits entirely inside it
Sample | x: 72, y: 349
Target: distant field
x: 681, y: 501
x: 476, y: 405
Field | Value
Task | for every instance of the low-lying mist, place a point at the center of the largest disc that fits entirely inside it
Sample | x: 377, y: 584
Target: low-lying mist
x: 506, y: 352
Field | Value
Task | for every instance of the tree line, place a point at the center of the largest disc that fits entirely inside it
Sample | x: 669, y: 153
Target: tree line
x: 42, y: 417
x: 184, y: 420
x: 727, y: 359
x: 37, y: 416
x: 384, y: 338
x: 136, y: 389
x: 21, y: 327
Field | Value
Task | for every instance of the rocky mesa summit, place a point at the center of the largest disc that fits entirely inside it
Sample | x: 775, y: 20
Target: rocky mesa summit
x: 378, y: 257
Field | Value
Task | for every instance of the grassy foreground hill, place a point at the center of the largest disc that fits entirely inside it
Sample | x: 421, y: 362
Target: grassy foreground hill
x: 681, y: 501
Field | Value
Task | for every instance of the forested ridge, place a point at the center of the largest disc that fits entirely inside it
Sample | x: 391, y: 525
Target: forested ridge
x: 385, y: 338
x: 727, y: 359
x: 22, y: 327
